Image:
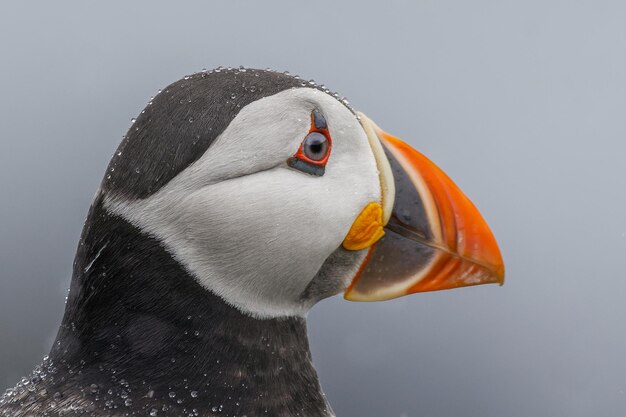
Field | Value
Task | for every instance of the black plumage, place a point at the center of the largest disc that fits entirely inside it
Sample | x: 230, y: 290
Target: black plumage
x: 181, y: 122
x: 140, y: 336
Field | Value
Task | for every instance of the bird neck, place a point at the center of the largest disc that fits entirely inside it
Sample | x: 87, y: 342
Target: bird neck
x: 137, y: 326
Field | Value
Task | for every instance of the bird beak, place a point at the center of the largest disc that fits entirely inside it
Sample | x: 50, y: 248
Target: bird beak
x: 434, y: 237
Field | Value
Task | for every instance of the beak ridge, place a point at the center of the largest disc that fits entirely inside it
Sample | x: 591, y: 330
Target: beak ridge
x: 435, y: 238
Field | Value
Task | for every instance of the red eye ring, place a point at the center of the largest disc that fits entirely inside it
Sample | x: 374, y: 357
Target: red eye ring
x: 314, y: 149
x: 318, y: 129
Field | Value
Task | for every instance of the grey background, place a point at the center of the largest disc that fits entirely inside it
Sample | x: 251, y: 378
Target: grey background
x: 521, y: 102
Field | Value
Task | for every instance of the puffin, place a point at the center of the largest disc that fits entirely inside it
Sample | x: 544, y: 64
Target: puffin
x: 237, y: 200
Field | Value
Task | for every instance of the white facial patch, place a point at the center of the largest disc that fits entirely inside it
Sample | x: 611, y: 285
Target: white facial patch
x: 248, y: 227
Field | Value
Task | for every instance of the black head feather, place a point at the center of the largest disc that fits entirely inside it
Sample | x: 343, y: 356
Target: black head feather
x: 181, y: 122
x: 137, y: 326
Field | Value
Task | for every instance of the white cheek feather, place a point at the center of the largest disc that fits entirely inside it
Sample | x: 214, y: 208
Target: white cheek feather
x: 247, y: 227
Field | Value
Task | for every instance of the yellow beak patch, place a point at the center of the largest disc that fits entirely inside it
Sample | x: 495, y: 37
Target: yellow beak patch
x: 367, y: 229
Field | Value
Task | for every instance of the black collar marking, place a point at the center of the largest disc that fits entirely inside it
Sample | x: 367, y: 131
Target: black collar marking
x: 137, y: 327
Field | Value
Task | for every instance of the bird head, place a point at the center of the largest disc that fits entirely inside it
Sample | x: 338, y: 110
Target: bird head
x: 273, y: 194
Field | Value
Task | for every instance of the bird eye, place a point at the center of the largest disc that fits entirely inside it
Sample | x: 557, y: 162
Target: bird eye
x: 315, y: 146
x: 314, y: 149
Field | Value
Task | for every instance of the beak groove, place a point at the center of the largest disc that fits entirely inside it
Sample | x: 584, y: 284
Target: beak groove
x: 435, y: 238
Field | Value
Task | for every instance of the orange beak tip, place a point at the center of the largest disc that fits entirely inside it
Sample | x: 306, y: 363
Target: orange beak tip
x: 442, y: 243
